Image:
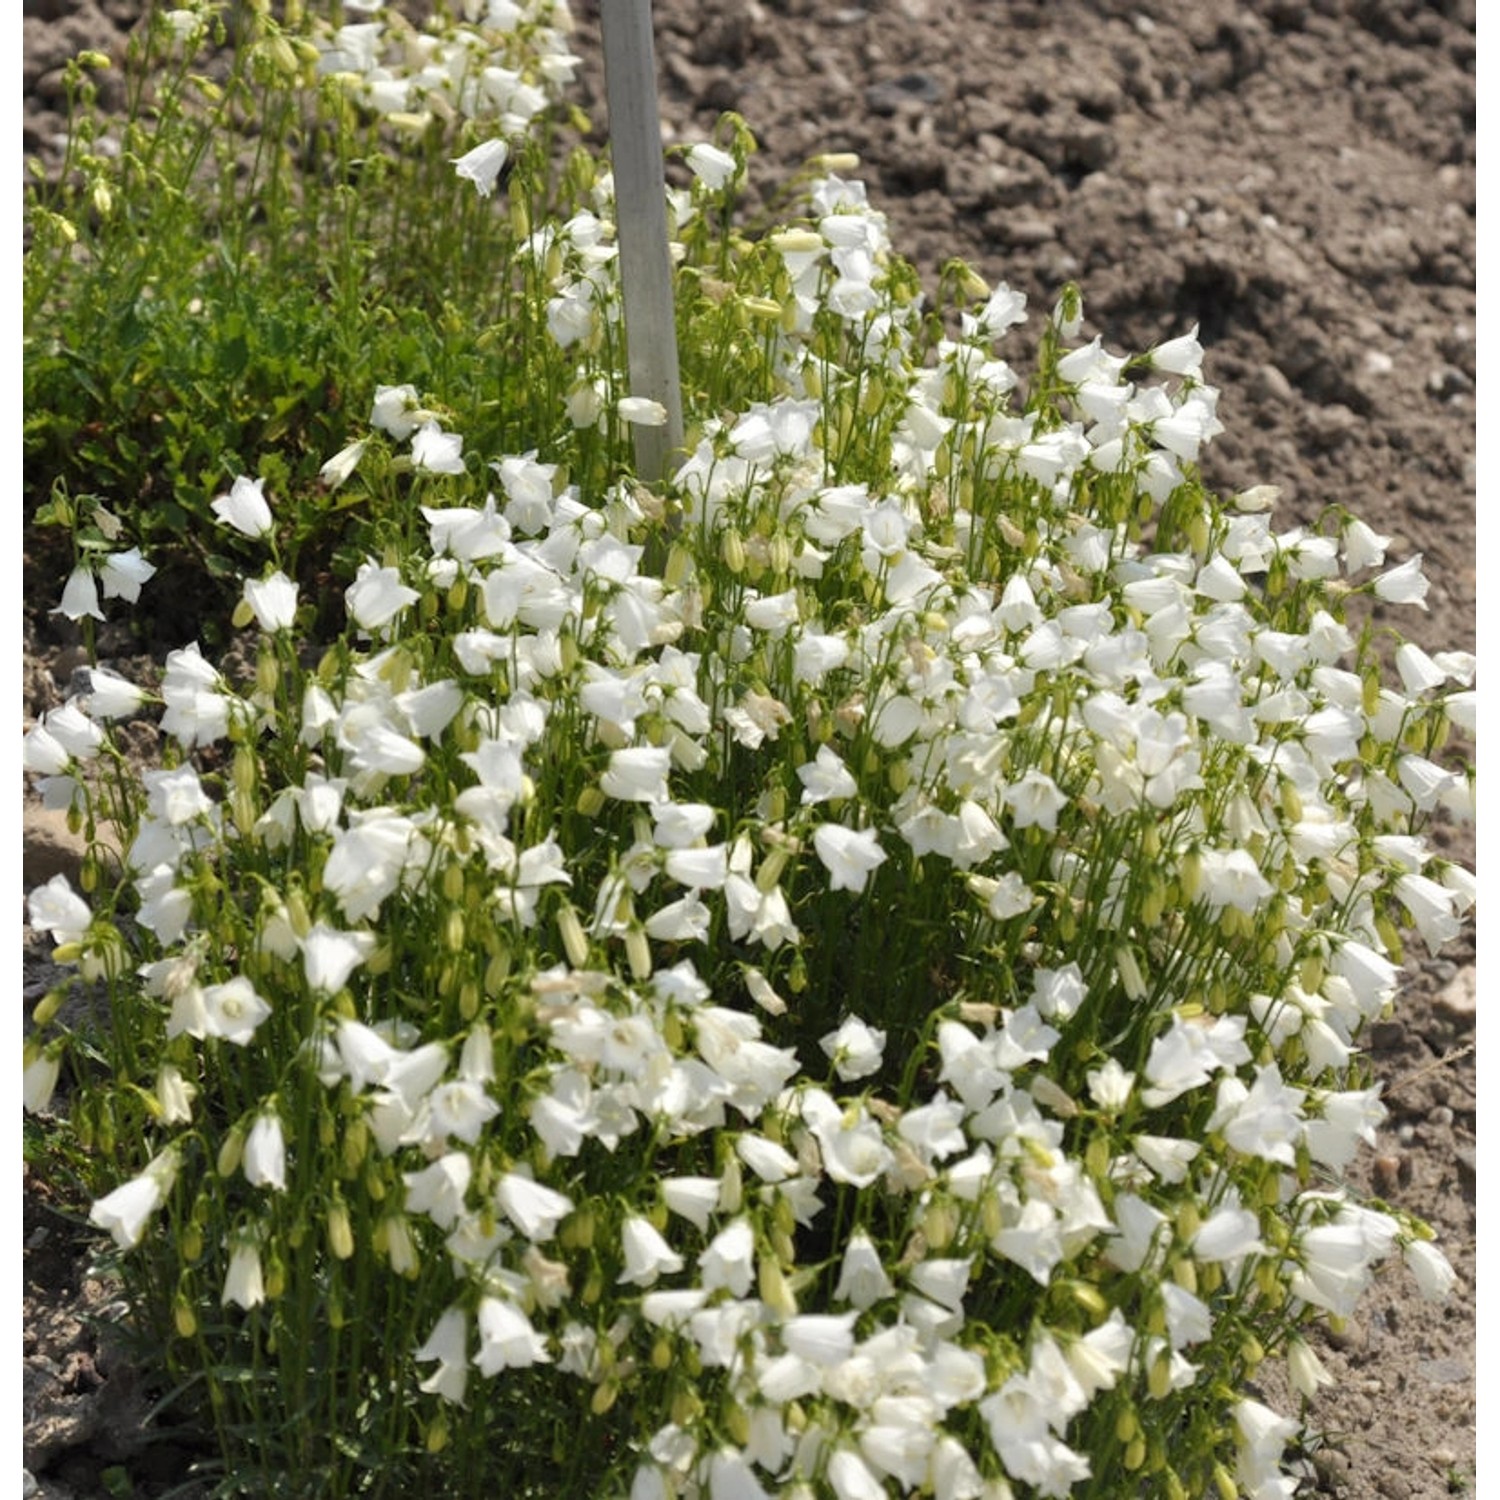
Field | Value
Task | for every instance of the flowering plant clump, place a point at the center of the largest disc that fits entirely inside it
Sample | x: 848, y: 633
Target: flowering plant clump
x: 842, y: 976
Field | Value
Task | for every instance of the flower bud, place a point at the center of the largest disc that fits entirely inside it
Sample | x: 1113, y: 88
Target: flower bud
x: 184, y: 1319
x: 453, y: 931
x: 570, y: 930
x: 638, y: 953
x: 231, y: 1149
x: 340, y: 1232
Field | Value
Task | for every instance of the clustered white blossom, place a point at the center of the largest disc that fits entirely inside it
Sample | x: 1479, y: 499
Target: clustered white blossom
x: 648, y: 808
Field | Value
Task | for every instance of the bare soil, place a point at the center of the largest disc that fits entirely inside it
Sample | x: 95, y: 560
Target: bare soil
x: 1296, y: 178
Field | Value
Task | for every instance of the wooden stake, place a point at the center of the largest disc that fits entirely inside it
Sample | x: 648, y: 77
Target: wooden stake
x: 641, y: 220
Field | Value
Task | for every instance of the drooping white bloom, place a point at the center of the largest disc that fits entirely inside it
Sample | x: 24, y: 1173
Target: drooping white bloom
x: 177, y: 796
x: 273, y: 601
x: 862, y: 1278
x: 395, y: 410
x: 1431, y: 908
x: 1363, y: 547
x: 533, y: 1207
x: 482, y: 165
x: 459, y: 1109
x: 80, y: 595
x: 1230, y: 877
x: 245, y: 507
x: 1035, y: 801
x: 1180, y: 356
x: 856, y: 1049
x: 647, y: 1254
x: 448, y: 1344
x: 244, y: 1282
x: 57, y: 908
x: 434, y: 451
x: 825, y: 778
x: 641, y: 411
x: 1110, y: 1086
x: 367, y: 862
x: 638, y: 774
x: 124, y: 1211
x: 197, y: 704
x: 264, y: 1158
x: 1434, y: 1275
x: 39, y: 1080
x: 711, y: 165
x: 729, y: 1260
x: 329, y: 957
x: 438, y: 1190
x: 507, y: 1341
x: 849, y: 855
x: 343, y: 463
x: 377, y: 596
x: 1406, y: 584
x: 694, y: 1198
x: 123, y: 574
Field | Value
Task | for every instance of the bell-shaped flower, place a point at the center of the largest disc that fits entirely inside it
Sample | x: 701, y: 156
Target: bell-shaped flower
x: 1363, y: 546
x: 1431, y: 907
x: 638, y: 774
x: 377, y: 596
x: 264, y: 1157
x: 343, y: 463
x: 849, y: 855
x: 482, y: 166
x: 122, y: 574
x: 110, y: 696
x: 1180, y: 356
x: 329, y: 957
x: 125, y: 1211
x: 729, y: 1260
x: 177, y: 796
x: 39, y: 1079
x: 272, y: 600
x: 57, y: 908
x: 694, y: 1198
x: 80, y: 595
x: 434, y: 451
x: 1406, y: 584
x: 438, y: 1190
x: 641, y: 411
x: 245, y: 508
x: 507, y: 1341
x: 855, y: 1049
x: 862, y: 1278
x: 711, y: 165
x: 448, y: 1345
x: 534, y: 1208
x: 459, y: 1109
x: 197, y: 705
x: 826, y: 778
x: 1035, y: 801
x: 1435, y: 1277
x: 244, y: 1282
x: 396, y: 410
x: 647, y: 1255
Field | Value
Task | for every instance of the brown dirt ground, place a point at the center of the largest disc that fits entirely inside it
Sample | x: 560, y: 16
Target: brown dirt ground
x: 1298, y: 179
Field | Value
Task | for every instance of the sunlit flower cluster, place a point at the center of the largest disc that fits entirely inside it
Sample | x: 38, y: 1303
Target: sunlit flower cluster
x: 500, y: 65
x: 867, y: 980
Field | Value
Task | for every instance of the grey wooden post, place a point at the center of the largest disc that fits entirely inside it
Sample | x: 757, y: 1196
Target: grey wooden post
x: 641, y: 221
